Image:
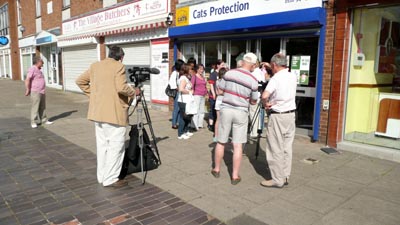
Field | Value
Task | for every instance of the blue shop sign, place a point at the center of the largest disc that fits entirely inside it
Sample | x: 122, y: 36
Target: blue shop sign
x: 44, y: 40
x: 4, y: 40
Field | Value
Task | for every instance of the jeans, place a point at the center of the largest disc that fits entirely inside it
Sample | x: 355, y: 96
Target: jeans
x: 183, y: 122
x: 213, y: 114
x: 110, y: 142
x: 175, y: 114
x: 199, y: 117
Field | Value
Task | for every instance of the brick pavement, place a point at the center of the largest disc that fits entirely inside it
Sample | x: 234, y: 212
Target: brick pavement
x: 45, y: 179
x: 341, y: 189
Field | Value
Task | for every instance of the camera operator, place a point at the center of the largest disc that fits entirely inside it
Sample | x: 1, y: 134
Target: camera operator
x: 259, y: 74
x: 106, y: 86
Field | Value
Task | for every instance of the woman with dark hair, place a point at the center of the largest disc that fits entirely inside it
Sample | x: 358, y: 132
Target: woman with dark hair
x: 199, y: 91
x: 173, y: 83
x: 184, y: 95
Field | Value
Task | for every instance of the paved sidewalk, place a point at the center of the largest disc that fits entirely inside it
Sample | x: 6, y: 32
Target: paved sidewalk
x: 340, y: 189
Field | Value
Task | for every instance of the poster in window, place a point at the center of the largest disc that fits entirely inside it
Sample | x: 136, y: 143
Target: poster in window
x: 300, y: 66
x: 388, y: 46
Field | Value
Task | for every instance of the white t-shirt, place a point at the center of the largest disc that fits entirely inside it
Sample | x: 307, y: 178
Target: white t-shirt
x: 282, y: 88
x: 185, y: 97
x: 173, y: 80
x: 259, y: 74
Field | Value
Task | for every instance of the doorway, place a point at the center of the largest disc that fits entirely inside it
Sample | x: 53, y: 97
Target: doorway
x: 51, y: 67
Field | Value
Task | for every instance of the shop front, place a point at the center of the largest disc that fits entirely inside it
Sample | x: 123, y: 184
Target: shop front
x: 226, y: 30
x: 372, y: 106
x: 46, y: 43
x: 134, y: 26
x: 27, y: 52
x: 5, y: 60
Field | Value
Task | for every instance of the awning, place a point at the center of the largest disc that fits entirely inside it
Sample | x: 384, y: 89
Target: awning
x: 135, y: 28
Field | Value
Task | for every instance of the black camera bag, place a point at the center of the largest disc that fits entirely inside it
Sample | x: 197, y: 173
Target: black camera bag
x: 132, y: 161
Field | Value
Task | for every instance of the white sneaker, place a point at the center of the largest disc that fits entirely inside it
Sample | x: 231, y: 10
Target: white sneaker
x: 34, y: 125
x: 184, y: 137
x: 189, y: 134
x: 48, y: 122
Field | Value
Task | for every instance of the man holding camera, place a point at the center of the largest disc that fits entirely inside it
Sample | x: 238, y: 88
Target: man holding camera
x: 106, y: 86
x: 279, y: 98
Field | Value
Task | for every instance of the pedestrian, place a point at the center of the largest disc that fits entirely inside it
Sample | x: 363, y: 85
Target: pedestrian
x: 218, y: 101
x: 199, y: 92
x: 279, y: 98
x: 35, y: 86
x: 185, y: 93
x: 106, y: 86
x: 212, y: 94
x: 173, y: 83
x: 260, y: 76
x: 240, y: 88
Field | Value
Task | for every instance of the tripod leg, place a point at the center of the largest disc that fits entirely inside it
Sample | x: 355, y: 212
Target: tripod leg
x: 140, y: 133
x: 148, y: 119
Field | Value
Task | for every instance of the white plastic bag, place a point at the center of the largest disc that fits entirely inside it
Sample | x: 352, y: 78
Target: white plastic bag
x: 191, y: 107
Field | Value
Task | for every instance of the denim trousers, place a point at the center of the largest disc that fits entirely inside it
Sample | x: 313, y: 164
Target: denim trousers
x: 175, y: 114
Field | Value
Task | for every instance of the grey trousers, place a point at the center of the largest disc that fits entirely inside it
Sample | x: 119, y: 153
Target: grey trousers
x: 38, y: 109
x: 280, y: 135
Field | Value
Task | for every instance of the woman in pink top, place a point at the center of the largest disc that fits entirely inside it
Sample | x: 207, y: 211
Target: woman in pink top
x: 199, y: 91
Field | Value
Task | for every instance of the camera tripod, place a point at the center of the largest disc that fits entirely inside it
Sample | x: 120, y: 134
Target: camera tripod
x: 260, y: 113
x: 140, y: 126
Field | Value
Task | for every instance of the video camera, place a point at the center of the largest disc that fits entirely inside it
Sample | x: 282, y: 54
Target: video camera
x: 138, y: 75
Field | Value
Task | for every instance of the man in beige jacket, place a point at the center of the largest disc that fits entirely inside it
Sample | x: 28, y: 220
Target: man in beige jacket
x: 106, y: 86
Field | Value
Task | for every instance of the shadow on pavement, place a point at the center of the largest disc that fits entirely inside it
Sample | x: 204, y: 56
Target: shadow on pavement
x: 62, y: 115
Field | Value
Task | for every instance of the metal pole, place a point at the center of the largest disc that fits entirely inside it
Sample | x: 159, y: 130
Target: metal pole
x: 140, y: 133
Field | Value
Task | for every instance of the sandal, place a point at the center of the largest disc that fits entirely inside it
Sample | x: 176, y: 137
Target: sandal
x: 236, y: 181
x: 215, y: 173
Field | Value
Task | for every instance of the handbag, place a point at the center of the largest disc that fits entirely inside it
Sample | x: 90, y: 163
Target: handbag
x: 170, y: 92
x: 191, y: 108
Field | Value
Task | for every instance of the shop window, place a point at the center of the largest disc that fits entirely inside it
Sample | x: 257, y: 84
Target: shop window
x: 188, y: 50
x: 373, y: 95
x: 211, y: 54
x: 269, y: 47
x: 66, y: 3
x: 238, y: 49
x: 4, y: 22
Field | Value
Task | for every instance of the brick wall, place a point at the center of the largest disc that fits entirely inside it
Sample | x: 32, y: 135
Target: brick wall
x: 339, y: 78
x: 53, y: 19
x: 327, y: 72
x: 79, y: 7
x: 28, y: 16
x: 171, y: 49
x: 14, y: 48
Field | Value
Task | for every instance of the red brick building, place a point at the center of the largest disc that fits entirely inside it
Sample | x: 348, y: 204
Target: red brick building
x: 365, y: 87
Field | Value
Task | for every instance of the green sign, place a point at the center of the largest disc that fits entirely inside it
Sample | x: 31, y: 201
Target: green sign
x: 301, y: 68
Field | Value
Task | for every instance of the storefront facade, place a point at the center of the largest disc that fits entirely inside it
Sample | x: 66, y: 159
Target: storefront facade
x: 5, y: 60
x: 367, y: 119
x: 225, y: 30
x: 27, y: 52
x: 138, y: 27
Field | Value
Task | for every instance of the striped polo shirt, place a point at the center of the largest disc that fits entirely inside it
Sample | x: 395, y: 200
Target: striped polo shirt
x: 239, y: 87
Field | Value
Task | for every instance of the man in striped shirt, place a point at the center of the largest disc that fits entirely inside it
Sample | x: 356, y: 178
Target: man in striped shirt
x: 239, y: 88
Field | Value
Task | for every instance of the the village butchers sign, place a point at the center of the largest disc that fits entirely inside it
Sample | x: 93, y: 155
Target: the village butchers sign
x: 133, y: 12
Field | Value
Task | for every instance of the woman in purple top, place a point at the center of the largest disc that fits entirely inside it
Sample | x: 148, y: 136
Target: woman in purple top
x: 199, y: 91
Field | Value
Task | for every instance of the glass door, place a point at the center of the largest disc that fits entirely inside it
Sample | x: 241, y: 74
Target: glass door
x: 303, y: 57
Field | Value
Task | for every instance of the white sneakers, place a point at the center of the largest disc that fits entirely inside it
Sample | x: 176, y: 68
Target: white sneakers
x: 185, y: 136
x: 34, y: 125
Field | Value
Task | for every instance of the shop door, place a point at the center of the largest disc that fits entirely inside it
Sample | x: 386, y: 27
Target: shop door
x: 303, y: 58
x: 76, y: 61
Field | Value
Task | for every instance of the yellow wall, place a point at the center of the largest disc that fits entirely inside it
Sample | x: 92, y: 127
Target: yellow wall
x: 362, y: 102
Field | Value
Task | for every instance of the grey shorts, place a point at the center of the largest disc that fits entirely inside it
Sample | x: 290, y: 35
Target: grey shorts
x: 234, y: 120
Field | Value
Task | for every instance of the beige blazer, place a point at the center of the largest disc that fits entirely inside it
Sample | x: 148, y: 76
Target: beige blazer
x: 105, y: 84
